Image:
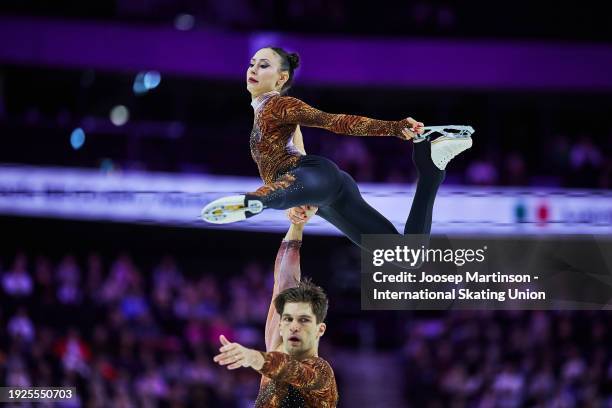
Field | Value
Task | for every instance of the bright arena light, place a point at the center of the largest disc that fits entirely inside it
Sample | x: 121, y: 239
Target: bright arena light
x: 119, y: 115
x: 152, y: 80
x: 146, y: 81
x: 139, y: 86
x: 77, y: 138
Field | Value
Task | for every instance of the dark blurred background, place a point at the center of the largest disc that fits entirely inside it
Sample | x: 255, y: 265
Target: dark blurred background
x: 130, y: 313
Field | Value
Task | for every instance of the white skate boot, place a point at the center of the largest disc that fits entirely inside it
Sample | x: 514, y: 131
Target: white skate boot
x: 231, y: 209
x: 453, y: 140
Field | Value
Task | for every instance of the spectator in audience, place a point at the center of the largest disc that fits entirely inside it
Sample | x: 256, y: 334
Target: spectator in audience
x: 20, y: 326
x: 68, y: 277
x: 74, y: 352
x: 17, y: 281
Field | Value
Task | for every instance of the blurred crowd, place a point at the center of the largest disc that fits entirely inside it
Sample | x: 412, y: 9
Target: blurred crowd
x: 127, y: 337
x: 487, y: 359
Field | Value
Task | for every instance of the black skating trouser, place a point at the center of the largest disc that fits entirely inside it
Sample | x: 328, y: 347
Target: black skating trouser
x: 318, y: 181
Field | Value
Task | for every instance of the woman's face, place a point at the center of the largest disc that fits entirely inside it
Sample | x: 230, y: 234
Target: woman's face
x: 263, y: 74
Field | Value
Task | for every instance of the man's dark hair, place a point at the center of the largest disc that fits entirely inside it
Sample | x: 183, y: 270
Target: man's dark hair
x: 304, y: 292
x: 290, y: 61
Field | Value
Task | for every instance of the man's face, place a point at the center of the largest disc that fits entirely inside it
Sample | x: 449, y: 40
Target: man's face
x: 299, y: 329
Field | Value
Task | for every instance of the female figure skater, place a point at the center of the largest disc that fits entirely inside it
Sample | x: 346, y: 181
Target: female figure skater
x: 293, y: 178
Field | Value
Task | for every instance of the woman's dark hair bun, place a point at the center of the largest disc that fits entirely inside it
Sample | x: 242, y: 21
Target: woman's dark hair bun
x: 294, y: 60
x: 290, y: 61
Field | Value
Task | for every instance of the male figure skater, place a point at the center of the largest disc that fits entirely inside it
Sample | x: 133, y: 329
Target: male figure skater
x: 292, y: 372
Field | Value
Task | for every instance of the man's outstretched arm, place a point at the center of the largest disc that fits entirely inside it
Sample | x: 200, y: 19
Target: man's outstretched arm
x: 311, y: 374
x: 286, y: 275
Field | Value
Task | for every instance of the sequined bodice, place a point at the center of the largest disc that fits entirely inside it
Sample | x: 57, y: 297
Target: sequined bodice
x: 288, y: 383
x: 272, y: 143
x: 276, y: 118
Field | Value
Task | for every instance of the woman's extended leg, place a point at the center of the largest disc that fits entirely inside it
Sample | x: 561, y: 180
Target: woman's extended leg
x: 429, y: 179
x: 352, y: 215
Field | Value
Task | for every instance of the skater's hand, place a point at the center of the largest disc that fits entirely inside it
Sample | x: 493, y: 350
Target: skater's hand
x: 235, y: 355
x: 301, y: 214
x: 415, y: 128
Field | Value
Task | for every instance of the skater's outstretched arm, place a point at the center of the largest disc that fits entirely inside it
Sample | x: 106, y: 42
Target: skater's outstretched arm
x: 289, y: 110
x: 312, y: 374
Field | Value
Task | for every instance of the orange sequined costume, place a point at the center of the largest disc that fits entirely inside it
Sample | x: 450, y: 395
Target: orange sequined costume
x: 287, y: 382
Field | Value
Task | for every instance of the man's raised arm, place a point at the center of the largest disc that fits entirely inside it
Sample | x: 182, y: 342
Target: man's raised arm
x: 286, y: 273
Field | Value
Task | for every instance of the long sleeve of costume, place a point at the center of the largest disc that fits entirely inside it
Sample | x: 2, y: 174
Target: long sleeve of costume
x: 312, y: 374
x: 287, y: 264
x: 288, y: 110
